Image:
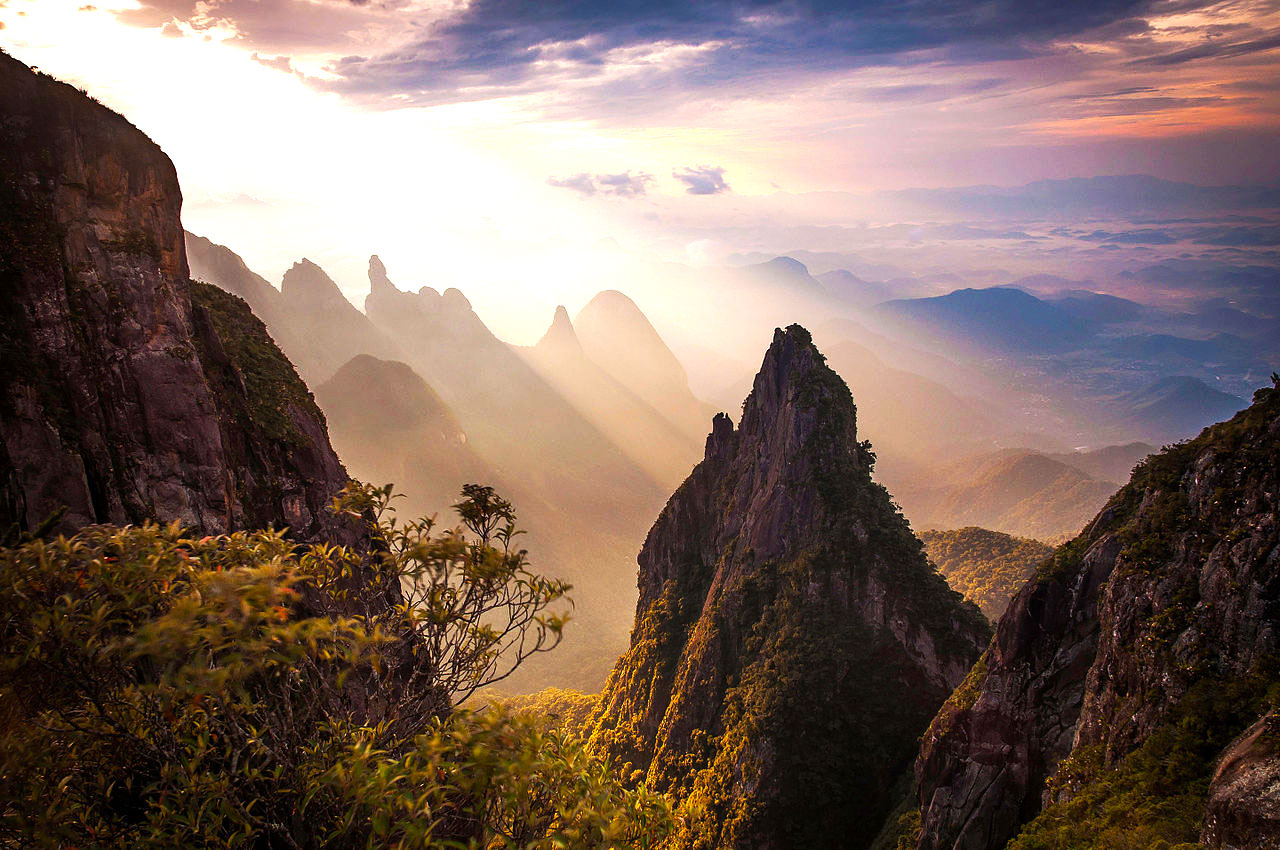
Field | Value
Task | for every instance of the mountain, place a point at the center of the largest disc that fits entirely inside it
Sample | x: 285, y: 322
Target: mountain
x: 1129, y: 694
x: 651, y: 440
x: 1016, y: 491
x: 848, y: 287
x: 780, y: 273
x: 998, y: 319
x: 615, y: 334
x: 585, y: 502
x: 219, y: 265
x: 512, y: 416
x: 902, y: 412
x: 1110, y: 463
x: 1096, y: 307
x: 310, y: 318
x: 791, y: 640
x: 128, y: 393
x: 1174, y: 408
x: 1090, y: 197
x: 987, y: 567
x: 389, y: 426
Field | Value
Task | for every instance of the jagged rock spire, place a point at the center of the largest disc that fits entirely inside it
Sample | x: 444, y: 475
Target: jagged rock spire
x: 790, y: 634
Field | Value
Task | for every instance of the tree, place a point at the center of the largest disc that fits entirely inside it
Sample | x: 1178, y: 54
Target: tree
x: 162, y: 690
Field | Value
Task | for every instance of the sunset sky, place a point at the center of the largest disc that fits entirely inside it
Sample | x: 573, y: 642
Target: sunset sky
x: 472, y: 144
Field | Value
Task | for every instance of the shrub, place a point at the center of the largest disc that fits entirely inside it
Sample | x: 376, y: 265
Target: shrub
x: 162, y: 690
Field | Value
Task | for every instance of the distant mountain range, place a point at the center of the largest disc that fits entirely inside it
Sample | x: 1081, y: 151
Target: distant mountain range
x: 997, y: 320
x: 1016, y: 491
x: 586, y: 432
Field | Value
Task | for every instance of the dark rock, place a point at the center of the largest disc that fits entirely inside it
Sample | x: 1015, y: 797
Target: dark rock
x: 1175, y: 584
x: 121, y: 400
x: 791, y: 640
x: 1244, y: 797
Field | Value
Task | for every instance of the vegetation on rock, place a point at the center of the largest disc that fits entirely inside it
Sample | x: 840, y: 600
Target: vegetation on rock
x: 987, y: 567
x: 161, y: 690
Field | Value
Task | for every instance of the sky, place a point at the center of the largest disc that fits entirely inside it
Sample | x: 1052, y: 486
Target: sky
x: 527, y: 152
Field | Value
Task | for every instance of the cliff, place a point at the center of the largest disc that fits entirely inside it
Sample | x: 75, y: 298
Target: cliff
x: 791, y: 640
x: 1127, y: 665
x: 127, y: 393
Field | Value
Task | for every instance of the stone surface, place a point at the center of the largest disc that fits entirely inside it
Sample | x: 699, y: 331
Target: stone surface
x: 1176, y: 582
x: 119, y: 401
x: 791, y: 640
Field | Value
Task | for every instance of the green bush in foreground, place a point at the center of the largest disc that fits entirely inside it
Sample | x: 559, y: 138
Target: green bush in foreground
x: 239, y: 690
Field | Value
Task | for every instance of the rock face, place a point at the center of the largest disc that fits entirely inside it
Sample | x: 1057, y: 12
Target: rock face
x: 125, y: 392
x: 1243, y: 809
x: 1171, y: 593
x: 791, y: 640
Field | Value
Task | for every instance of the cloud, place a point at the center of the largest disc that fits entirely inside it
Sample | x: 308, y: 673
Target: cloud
x: 583, y: 183
x: 626, y: 184
x: 623, y: 185
x: 1216, y: 49
x: 449, y: 51
x: 703, y: 180
x: 279, y: 63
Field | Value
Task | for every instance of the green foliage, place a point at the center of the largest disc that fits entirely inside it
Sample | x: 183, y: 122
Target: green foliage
x: 1154, y: 798
x: 820, y: 702
x: 271, y: 386
x: 987, y: 567
x: 564, y: 709
x: 159, y: 690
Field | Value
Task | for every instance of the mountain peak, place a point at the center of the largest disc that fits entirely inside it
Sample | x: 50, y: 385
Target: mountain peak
x: 378, y: 274
x: 781, y: 588
x: 561, y: 335
x: 795, y: 390
x: 455, y: 300
x: 306, y: 280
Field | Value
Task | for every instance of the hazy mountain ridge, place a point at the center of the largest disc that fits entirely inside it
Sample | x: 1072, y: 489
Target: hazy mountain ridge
x: 579, y: 453
x: 1016, y: 491
x: 650, y: 439
x: 309, y: 318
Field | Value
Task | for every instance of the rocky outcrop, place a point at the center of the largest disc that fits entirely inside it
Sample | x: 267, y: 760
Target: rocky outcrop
x: 125, y: 393
x: 791, y: 640
x: 1171, y: 593
x: 1243, y: 809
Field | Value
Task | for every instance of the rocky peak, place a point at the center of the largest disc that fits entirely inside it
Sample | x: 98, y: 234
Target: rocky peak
x: 784, y: 601
x: 378, y: 274
x: 455, y: 301
x: 127, y: 392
